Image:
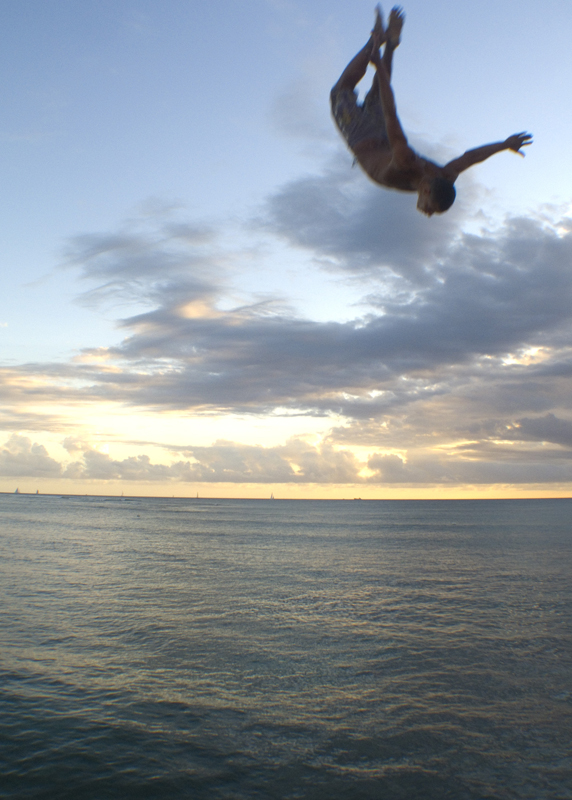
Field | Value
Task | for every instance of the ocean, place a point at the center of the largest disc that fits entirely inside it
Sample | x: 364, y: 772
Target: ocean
x: 234, y: 649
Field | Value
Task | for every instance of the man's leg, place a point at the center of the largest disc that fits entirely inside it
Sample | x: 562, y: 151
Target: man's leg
x: 357, y: 67
x: 392, y: 36
x: 392, y: 40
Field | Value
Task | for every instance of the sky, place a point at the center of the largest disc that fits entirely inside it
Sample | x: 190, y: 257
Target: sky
x: 201, y: 295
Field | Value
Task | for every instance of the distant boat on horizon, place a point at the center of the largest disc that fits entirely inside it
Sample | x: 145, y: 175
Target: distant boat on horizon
x: 37, y: 491
x: 272, y: 495
x: 17, y: 491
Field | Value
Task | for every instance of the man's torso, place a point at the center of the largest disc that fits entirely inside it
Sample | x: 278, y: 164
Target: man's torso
x: 378, y: 161
x: 363, y: 128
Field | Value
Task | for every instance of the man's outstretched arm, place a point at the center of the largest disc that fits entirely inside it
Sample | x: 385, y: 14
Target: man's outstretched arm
x: 471, y: 157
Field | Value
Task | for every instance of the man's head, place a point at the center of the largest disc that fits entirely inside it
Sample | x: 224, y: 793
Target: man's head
x: 436, y: 196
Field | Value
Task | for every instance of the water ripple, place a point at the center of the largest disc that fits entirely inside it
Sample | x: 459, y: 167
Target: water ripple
x: 248, y: 649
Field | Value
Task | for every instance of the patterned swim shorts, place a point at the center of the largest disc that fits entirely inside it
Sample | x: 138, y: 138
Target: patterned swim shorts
x: 358, y: 122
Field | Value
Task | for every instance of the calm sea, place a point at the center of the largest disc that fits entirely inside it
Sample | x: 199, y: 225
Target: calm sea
x: 285, y: 649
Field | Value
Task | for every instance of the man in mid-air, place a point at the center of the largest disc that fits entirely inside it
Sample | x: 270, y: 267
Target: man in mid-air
x: 375, y: 136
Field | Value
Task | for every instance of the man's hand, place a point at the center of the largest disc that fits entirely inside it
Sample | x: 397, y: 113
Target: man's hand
x: 517, y: 141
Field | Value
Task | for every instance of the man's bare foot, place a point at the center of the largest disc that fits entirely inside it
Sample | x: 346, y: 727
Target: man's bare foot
x: 378, y: 36
x: 394, y: 26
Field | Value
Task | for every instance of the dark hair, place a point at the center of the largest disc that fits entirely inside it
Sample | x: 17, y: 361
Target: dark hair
x: 442, y: 193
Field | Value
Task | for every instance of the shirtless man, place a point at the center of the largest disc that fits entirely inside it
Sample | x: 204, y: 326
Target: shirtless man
x: 374, y: 134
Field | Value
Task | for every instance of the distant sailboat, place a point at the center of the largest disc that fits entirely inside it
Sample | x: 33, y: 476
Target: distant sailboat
x: 37, y: 491
x: 272, y: 495
x: 17, y: 491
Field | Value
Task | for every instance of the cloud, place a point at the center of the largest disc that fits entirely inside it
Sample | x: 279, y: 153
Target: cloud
x: 100, y: 466
x: 457, y: 370
x: 297, y: 462
x: 483, y: 297
x: 350, y: 224
x: 20, y: 457
x: 486, y: 296
x: 227, y: 462
x: 472, y: 468
x: 548, y: 428
x: 76, y: 444
x: 155, y: 258
x: 19, y: 420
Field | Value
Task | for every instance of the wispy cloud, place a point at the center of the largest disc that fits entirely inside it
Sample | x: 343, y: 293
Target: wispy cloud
x: 152, y: 259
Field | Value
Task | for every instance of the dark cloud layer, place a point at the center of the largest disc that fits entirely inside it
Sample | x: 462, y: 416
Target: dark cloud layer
x: 542, y: 429
x: 487, y: 296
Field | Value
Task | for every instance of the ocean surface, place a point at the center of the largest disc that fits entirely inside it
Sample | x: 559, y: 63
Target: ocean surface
x: 218, y: 649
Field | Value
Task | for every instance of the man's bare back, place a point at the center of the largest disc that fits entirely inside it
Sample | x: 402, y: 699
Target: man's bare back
x: 374, y: 134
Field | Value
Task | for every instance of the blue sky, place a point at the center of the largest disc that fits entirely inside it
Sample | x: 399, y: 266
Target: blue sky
x: 199, y: 292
